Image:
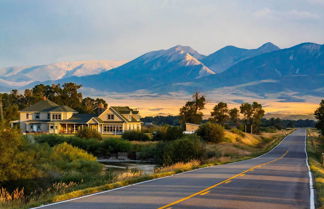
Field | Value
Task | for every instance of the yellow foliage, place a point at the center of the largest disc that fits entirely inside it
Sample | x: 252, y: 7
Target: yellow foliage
x: 70, y: 152
x: 179, y: 166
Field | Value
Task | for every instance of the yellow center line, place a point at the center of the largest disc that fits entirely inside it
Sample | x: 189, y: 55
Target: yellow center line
x: 205, y: 193
x: 206, y: 190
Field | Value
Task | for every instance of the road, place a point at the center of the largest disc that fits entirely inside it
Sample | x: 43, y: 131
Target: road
x: 276, y: 180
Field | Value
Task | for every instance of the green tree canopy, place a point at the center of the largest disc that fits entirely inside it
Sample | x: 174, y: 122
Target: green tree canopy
x: 190, y: 113
x: 319, y: 115
x: 220, y: 113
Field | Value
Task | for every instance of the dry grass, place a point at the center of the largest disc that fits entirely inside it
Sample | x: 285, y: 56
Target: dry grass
x: 128, y: 175
x: 314, y: 150
x: 179, y: 166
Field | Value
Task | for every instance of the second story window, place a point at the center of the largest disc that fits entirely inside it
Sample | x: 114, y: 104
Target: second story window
x: 37, y: 115
x: 27, y: 116
x: 49, y: 116
x: 56, y: 116
x: 110, y: 117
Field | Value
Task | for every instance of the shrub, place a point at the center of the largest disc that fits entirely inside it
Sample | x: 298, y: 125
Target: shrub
x: 168, y: 133
x: 135, y: 136
x: 181, y: 150
x: 211, y: 132
x: 110, y: 146
x: 73, y: 161
x: 89, y: 133
x: 238, y: 132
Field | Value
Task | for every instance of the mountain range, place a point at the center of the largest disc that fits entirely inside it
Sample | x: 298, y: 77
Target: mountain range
x: 298, y: 70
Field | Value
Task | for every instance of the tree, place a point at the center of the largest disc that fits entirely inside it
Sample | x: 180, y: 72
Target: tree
x: 211, y: 132
x: 253, y: 113
x: 319, y: 115
x: 246, y: 110
x: 220, y: 113
x: 258, y: 114
x: 190, y: 113
x: 234, y: 116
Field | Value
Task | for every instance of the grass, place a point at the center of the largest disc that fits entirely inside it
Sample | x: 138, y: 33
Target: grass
x: 238, y: 148
x: 315, y: 148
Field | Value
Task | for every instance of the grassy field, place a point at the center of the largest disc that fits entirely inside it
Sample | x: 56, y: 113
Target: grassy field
x: 315, y: 148
x: 237, y: 146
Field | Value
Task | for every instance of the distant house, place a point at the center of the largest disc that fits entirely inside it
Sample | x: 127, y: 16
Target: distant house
x: 49, y: 117
x: 191, y: 128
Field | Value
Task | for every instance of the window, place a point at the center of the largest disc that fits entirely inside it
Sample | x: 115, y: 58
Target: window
x: 37, y: 115
x: 56, y: 116
x: 27, y: 116
x: 48, y: 116
x: 51, y: 127
x: 110, y: 117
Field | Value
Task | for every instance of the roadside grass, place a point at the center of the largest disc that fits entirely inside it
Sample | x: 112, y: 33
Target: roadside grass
x: 239, y: 150
x: 315, y: 148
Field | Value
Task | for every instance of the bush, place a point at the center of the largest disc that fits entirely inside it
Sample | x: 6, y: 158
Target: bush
x: 111, y: 146
x: 181, y: 150
x: 238, y: 132
x: 89, y: 133
x: 168, y: 133
x: 135, y: 136
x: 211, y: 132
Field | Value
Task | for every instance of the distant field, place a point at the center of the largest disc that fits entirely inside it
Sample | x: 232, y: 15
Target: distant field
x: 167, y: 105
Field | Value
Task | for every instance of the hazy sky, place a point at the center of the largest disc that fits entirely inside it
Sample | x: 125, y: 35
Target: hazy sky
x: 48, y: 31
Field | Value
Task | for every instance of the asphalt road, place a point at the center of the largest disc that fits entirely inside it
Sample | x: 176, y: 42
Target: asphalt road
x: 278, y: 180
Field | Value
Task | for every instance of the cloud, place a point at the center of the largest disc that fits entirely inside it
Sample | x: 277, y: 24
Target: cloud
x: 291, y: 14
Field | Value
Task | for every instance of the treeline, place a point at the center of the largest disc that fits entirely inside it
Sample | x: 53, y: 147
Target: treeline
x: 67, y: 94
x: 251, y: 114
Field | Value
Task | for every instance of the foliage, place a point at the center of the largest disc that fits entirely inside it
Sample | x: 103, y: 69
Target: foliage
x: 211, y: 132
x: 67, y: 94
x: 18, y: 160
x: 181, y: 150
x: 88, y: 133
x: 190, y: 113
x: 234, y: 116
x: 162, y: 120
x: 168, y: 133
x: 103, y: 148
x: 220, y: 113
x: 135, y: 136
x: 319, y: 115
x: 253, y: 114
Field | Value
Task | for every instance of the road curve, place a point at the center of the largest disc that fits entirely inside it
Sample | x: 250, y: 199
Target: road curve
x: 276, y: 180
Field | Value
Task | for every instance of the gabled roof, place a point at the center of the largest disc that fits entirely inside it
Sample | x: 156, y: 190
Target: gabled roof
x: 43, y: 105
x: 120, y: 110
x: 63, y: 108
x: 124, y: 110
x: 47, y: 106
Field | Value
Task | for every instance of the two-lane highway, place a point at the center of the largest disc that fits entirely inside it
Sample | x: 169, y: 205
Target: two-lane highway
x: 278, y: 180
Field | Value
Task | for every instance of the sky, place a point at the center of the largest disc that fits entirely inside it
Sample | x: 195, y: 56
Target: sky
x: 36, y: 32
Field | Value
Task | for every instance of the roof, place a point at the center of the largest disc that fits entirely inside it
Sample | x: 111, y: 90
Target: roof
x: 120, y: 110
x: 124, y: 110
x: 79, y: 118
x: 43, y: 105
x: 63, y: 108
x: 47, y: 106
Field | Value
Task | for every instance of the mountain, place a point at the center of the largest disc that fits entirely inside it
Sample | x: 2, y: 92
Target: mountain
x: 149, y: 71
x: 228, y: 56
x: 21, y: 76
x: 299, y: 69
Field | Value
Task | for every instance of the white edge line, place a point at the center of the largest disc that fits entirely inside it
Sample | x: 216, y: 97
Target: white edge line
x: 311, y: 186
x: 142, y: 182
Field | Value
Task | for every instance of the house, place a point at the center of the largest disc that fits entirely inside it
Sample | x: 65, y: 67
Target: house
x: 191, y: 128
x: 49, y: 117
